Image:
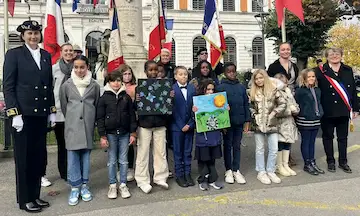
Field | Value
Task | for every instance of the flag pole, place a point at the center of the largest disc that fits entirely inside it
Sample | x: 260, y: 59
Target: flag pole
x: 283, y: 28
x: 6, y: 25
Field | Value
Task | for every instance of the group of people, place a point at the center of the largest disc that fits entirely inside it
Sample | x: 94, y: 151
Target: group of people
x: 279, y: 103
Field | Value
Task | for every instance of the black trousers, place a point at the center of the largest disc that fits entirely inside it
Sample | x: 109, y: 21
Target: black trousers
x: 207, y: 168
x: 341, y: 124
x: 30, y: 158
x: 62, y: 152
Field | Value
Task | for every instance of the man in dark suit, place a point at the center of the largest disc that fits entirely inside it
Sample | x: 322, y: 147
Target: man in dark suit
x: 337, y: 109
x: 30, y: 103
x: 182, y: 127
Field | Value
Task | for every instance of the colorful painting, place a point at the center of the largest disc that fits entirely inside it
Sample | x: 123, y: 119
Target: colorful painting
x: 154, y: 97
x: 212, y: 113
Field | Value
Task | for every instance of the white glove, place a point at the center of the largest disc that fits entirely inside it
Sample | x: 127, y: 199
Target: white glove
x: 18, y: 123
x: 52, y: 119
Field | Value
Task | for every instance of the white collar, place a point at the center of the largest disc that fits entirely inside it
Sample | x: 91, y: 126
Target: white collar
x: 32, y: 50
x: 181, y: 85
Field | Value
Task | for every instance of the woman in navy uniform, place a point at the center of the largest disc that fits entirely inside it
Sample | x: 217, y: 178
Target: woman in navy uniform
x: 30, y: 103
x: 336, y: 112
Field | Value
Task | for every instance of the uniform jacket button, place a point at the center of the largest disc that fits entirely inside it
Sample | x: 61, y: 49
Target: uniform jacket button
x: 35, y: 110
x: 330, y: 86
x: 45, y: 98
x: 335, y: 101
x: 44, y: 110
x: 36, y: 87
x: 45, y: 87
x: 349, y: 86
x: 36, y: 99
x: 333, y: 93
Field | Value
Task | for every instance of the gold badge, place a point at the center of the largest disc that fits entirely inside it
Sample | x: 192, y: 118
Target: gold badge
x: 12, y: 112
x: 34, y: 23
x: 53, y: 109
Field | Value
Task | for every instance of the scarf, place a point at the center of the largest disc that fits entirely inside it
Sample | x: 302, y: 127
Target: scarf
x: 292, y: 78
x: 317, y: 111
x: 108, y: 88
x: 81, y: 83
x: 66, y: 69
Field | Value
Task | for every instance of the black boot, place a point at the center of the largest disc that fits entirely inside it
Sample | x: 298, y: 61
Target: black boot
x: 320, y: 171
x: 309, y: 168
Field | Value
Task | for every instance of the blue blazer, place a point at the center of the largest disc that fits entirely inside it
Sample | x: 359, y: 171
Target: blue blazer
x: 182, y: 109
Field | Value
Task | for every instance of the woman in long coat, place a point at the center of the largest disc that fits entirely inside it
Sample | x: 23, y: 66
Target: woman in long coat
x: 79, y: 96
x: 30, y: 103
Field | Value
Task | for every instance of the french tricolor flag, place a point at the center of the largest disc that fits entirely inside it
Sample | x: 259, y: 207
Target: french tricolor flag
x: 54, y: 35
x: 213, y: 32
x: 116, y: 57
x: 157, y: 29
x: 169, y: 35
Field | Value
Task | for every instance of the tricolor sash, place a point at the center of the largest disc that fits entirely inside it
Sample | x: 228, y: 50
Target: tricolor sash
x: 340, y: 89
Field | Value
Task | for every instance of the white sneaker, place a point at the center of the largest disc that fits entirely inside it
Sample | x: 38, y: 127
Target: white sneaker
x: 112, y: 194
x: 130, y: 175
x: 124, y: 191
x: 229, y: 177
x: 162, y: 184
x: 274, y: 178
x: 146, y: 188
x: 263, y: 178
x: 239, y: 178
x: 45, y: 182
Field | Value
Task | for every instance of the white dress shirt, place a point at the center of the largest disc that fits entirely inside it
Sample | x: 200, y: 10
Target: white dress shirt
x: 183, y: 90
x: 35, y: 54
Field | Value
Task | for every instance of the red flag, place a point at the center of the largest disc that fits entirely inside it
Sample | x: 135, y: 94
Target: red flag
x: 294, y: 6
x: 11, y: 5
x: 157, y: 30
x: 95, y: 3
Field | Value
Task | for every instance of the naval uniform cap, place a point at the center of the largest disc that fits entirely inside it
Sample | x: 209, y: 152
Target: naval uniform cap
x: 29, y: 25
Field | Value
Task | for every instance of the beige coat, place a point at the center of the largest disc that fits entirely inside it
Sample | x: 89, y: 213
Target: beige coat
x: 287, y: 129
x: 265, y: 111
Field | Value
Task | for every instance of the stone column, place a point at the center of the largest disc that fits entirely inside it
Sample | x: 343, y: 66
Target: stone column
x: 131, y: 30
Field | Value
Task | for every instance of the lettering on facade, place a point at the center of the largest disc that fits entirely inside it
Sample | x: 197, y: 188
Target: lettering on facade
x: 89, y: 9
x: 96, y: 20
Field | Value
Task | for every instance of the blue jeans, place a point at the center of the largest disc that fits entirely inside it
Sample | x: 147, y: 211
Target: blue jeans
x: 308, y: 138
x: 78, y: 167
x: 118, y: 153
x: 272, y: 139
x: 232, y: 142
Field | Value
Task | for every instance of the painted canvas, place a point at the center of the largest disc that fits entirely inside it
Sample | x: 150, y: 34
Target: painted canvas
x: 154, y: 97
x: 212, y: 113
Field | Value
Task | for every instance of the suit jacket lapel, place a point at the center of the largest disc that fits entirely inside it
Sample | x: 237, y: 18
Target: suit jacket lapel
x: 74, y: 89
x: 179, y: 92
x: 88, y: 88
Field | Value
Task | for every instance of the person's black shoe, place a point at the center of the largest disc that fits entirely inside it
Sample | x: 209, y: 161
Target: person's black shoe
x: 331, y: 167
x: 181, y: 181
x: 42, y: 203
x: 189, y: 180
x: 313, y: 164
x: 310, y: 169
x: 345, y: 168
x: 31, y: 207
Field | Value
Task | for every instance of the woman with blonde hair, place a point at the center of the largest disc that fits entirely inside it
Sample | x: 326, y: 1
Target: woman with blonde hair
x: 266, y: 104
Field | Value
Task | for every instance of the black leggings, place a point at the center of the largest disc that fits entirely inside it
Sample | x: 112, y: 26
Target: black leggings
x: 283, y: 146
x: 207, y: 168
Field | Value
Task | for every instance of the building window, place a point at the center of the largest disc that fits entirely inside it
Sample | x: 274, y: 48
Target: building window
x: 173, y: 51
x: 228, y: 5
x: 198, y: 4
x: 230, y: 55
x: 257, y: 51
x: 198, y: 43
x: 92, y: 41
x: 168, y: 4
x: 14, y: 41
x: 257, y: 5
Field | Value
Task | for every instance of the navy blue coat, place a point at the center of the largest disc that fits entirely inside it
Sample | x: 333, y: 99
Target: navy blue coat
x: 208, y: 139
x: 182, y: 109
x: 238, y: 101
x: 307, y: 117
x: 28, y: 90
